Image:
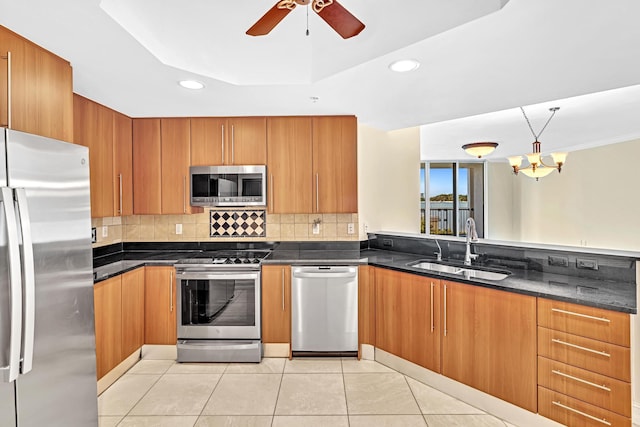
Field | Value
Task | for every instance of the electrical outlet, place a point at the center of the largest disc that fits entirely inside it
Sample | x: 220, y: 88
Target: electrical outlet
x: 105, y: 231
x: 178, y: 228
x: 587, y: 264
x: 316, y: 228
x: 94, y: 235
x: 350, y: 228
x: 387, y: 242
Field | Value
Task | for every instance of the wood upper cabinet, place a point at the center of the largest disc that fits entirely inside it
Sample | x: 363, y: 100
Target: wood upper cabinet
x: 107, y: 297
x: 93, y: 128
x: 335, y: 165
x: 41, y: 83
x: 132, y: 311
x: 175, y: 153
x: 408, y: 317
x: 160, y: 306
x: 147, y: 167
x: 276, y: 303
x: 489, y: 342
x: 228, y: 141
x: 289, y: 163
x: 123, y: 164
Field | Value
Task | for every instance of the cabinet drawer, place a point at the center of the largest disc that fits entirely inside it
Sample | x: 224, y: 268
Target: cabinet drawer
x: 599, y: 390
x: 590, y: 322
x: 597, y: 356
x: 573, y: 412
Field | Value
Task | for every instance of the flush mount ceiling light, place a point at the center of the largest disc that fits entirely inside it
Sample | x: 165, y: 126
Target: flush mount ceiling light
x: 404, y: 65
x: 480, y: 149
x: 191, y: 84
x: 537, y: 168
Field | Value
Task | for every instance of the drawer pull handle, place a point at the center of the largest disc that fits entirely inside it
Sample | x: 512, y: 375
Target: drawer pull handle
x: 600, y: 420
x: 601, y: 353
x: 571, y: 377
x: 586, y: 316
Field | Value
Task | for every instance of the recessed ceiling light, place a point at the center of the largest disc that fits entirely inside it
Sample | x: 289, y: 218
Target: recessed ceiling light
x: 191, y: 84
x: 404, y: 65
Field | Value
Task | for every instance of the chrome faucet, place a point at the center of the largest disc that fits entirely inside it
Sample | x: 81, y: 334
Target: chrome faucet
x: 439, y: 253
x: 472, y: 236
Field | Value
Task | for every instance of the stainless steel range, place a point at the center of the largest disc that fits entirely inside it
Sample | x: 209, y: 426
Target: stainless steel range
x: 219, y: 307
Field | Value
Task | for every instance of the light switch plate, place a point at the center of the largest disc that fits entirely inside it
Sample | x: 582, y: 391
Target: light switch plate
x: 316, y: 228
x: 178, y: 228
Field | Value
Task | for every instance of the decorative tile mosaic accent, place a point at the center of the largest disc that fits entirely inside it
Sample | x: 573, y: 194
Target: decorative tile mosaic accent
x: 238, y: 223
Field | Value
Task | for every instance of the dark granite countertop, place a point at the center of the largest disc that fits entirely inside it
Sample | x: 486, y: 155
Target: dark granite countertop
x: 611, y: 295
x: 618, y: 295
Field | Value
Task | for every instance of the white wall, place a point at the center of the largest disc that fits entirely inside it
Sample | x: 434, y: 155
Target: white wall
x: 388, y: 180
x: 594, y: 201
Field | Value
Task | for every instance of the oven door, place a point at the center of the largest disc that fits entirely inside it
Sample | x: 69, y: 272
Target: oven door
x: 218, y: 305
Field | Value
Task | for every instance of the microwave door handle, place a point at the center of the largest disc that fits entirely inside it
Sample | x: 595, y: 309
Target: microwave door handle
x: 12, y: 370
x: 29, y: 281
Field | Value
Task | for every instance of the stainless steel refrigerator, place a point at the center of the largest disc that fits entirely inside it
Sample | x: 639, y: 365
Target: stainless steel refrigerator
x: 47, y: 338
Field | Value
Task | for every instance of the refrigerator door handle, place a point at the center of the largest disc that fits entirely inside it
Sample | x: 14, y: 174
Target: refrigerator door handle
x: 29, y: 277
x: 10, y: 372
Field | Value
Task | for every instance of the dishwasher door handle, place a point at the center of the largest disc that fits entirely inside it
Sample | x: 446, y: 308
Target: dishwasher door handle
x: 324, y: 274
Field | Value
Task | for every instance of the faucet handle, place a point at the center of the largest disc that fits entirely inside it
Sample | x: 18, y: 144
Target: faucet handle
x: 438, y: 256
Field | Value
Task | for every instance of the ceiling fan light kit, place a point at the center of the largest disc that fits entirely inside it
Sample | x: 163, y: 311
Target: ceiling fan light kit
x: 332, y: 12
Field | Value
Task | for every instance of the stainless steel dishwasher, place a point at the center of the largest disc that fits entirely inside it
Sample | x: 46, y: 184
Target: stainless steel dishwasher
x: 324, y: 310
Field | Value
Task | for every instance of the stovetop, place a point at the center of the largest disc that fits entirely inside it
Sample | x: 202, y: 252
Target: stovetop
x: 225, y: 258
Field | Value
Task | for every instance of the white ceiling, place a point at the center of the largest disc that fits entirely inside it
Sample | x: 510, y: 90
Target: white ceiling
x: 476, y: 58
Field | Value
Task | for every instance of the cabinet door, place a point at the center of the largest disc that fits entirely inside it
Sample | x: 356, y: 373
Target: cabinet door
x: 335, y: 165
x: 489, y: 342
x: 247, y: 141
x: 175, y: 139
x: 407, y: 317
x: 159, y: 306
x: 132, y: 311
x: 107, y: 297
x: 147, y: 164
x: 41, y: 89
x: 276, y: 304
x: 289, y: 162
x: 93, y: 128
x: 366, y: 305
x: 123, y: 164
x: 207, y: 138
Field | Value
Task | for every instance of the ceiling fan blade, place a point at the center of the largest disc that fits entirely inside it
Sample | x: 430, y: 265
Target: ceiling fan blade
x: 268, y: 21
x: 341, y: 20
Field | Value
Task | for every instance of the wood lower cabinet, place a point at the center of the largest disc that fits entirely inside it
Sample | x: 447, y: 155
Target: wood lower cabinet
x: 407, y: 314
x: 132, y: 311
x: 366, y: 305
x: 335, y: 164
x: 160, y: 306
x: 584, y: 364
x: 41, y: 83
x: 289, y: 162
x: 276, y: 304
x: 489, y: 342
x: 107, y: 297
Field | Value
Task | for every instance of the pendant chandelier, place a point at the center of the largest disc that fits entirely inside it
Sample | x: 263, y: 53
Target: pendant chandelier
x: 537, y: 167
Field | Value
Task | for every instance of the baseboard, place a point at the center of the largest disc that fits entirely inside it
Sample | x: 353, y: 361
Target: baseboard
x: 275, y: 350
x: 159, y: 352
x: 111, y: 377
x: 635, y: 414
x: 494, y: 406
x: 367, y: 352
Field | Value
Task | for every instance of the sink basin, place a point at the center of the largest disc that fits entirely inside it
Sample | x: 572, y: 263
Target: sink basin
x: 466, y: 271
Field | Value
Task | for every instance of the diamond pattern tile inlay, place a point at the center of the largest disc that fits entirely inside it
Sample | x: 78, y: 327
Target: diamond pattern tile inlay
x: 238, y: 223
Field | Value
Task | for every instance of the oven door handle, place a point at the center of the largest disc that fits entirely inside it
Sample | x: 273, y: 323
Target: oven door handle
x: 209, y: 275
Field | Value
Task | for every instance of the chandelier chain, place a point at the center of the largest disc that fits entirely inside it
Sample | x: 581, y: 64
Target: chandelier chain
x: 553, y: 112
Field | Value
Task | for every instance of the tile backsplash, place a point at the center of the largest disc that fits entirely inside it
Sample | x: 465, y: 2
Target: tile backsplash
x: 197, y: 227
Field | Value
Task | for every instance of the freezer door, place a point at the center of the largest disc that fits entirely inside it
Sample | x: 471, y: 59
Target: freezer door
x: 61, y: 387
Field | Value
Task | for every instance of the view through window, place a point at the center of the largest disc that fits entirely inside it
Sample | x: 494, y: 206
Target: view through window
x: 451, y: 193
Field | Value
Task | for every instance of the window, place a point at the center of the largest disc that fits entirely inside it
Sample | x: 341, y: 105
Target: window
x: 451, y: 193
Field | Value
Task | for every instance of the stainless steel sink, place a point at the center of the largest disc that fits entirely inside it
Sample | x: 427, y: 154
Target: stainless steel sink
x: 466, y: 271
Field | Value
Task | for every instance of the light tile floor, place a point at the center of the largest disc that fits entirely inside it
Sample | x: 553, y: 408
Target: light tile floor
x: 280, y: 393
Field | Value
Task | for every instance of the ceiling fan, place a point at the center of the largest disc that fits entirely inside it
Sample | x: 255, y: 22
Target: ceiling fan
x: 332, y: 12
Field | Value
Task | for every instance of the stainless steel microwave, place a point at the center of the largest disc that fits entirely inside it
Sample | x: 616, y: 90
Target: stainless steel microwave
x: 228, y: 185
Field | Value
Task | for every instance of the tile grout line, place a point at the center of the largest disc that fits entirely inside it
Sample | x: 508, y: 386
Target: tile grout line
x: 415, y: 400
x: 273, y: 416
x: 344, y: 387
x: 212, y: 391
